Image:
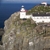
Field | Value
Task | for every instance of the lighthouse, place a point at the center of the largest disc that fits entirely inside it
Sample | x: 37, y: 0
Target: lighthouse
x: 22, y: 13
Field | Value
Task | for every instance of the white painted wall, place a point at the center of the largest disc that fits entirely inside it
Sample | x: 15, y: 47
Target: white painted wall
x: 28, y: 16
x: 22, y: 15
x: 38, y: 19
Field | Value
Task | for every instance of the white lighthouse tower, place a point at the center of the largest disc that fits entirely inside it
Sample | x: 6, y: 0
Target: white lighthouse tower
x: 22, y: 13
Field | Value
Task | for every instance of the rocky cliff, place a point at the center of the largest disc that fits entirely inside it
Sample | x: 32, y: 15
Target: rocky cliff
x: 24, y: 35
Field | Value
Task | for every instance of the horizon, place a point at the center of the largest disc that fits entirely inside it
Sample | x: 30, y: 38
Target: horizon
x: 24, y: 1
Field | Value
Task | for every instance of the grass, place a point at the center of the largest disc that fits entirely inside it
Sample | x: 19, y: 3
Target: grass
x: 39, y: 9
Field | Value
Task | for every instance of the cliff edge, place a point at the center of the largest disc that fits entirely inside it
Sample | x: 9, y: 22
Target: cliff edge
x: 24, y: 34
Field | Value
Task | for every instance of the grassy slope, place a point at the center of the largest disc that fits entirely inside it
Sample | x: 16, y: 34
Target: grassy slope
x: 40, y: 9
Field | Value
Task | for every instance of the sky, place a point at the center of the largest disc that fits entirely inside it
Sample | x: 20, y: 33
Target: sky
x: 24, y: 1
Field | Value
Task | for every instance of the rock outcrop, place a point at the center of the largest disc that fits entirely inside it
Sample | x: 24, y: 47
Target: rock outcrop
x: 24, y: 35
x: 1, y: 34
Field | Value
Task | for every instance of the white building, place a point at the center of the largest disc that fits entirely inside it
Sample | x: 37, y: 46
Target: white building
x: 45, y: 17
x: 44, y: 3
x: 37, y: 19
x: 23, y: 13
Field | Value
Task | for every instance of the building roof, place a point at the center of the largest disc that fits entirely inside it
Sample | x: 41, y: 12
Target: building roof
x: 41, y: 14
x: 45, y: 3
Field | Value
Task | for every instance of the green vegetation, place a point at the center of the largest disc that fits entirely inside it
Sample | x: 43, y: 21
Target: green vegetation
x: 40, y: 9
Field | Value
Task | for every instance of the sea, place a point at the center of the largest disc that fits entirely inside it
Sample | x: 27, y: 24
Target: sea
x: 6, y: 9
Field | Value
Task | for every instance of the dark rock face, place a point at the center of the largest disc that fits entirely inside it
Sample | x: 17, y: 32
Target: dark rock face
x: 23, y: 35
x: 1, y: 34
x: 1, y: 31
x: 1, y: 47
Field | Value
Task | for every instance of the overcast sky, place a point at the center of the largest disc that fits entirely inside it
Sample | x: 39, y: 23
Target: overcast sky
x: 31, y: 1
